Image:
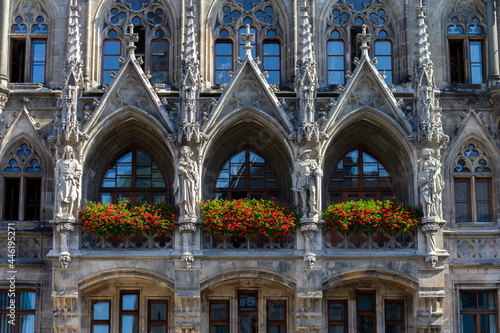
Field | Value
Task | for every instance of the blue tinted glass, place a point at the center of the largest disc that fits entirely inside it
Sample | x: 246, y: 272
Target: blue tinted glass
x: 159, y: 48
x: 111, y: 62
x: 336, y: 63
x: 107, y: 197
x: 223, y: 49
x: 106, y: 77
x: 455, y: 30
x: 112, y: 34
x: 223, y: 62
x: 274, y: 77
x: 39, y: 50
x: 271, y: 34
x: 27, y: 300
x: 129, y: 302
x: 476, y: 52
x: 384, y: 63
x: 136, y: 21
x: 335, y: 77
x: 101, y: 310
x: 335, y: 48
x: 271, y: 49
x: 382, y: 48
x: 477, y: 73
x: 38, y: 72
x: 19, y: 27
x: 222, y: 77
x: 248, y: 21
x: 388, y: 78
x: 335, y: 34
x: 224, y: 34
x: 358, y: 21
x: 271, y: 63
x: 382, y: 35
x: 112, y: 47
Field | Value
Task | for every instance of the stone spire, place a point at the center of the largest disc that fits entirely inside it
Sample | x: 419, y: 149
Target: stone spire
x: 248, y: 38
x: 131, y: 38
x: 190, y: 81
x: 306, y: 81
x: 364, y: 38
x: 430, y: 139
x: 67, y: 125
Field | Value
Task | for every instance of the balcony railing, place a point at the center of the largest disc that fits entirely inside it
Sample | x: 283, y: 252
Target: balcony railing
x: 372, y: 240
x: 136, y: 241
x: 255, y: 242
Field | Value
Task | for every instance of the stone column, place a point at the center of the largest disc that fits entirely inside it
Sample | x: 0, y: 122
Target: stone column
x: 66, y: 311
x: 4, y: 47
x: 493, y: 66
x: 187, y: 300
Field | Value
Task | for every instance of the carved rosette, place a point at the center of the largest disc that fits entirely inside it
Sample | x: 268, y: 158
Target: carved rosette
x: 430, y: 230
x: 187, y: 229
x: 309, y: 228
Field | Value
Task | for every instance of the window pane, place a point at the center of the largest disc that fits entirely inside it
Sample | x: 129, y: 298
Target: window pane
x: 336, y: 77
x: 219, y: 311
x: 274, y: 77
x: 112, y: 47
x: 129, y: 324
x: 32, y: 202
x: 111, y: 62
x: 27, y: 300
x: 159, y: 63
x: 159, y: 48
x: 276, y: 311
x: 468, y: 323
x: 248, y: 302
x: 106, y: 198
x: 247, y: 324
x: 393, y: 311
x: 129, y: 302
x: 337, y: 329
x: 476, y: 52
x: 158, y: 311
x: 158, y: 329
x: 382, y: 48
x: 384, y: 63
x: 486, y: 300
x: 39, y: 50
x: 276, y: 329
x: 27, y: 323
x: 461, y: 189
x: 224, y: 49
x: 271, y: 49
x: 38, y: 72
x: 488, y: 323
x: 5, y: 327
x: 468, y: 301
x: 101, y: 311
x: 336, y: 311
x: 11, y: 209
x: 365, y: 301
x: 219, y: 329
x: 101, y: 329
x: 366, y: 324
x: 394, y: 329
x: 336, y: 63
x: 223, y: 62
x: 335, y: 48
x: 476, y: 73
x: 271, y: 63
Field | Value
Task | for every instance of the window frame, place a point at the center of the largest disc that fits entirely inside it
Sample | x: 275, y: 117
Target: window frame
x: 386, y: 40
x: 104, y: 41
x: 27, y: 76
x: 466, y: 64
x: 478, y: 312
x: 472, y: 180
x: 23, y: 193
x: 157, y: 322
x: 344, y: 322
x: 130, y: 312
x: 275, y: 322
x: 402, y: 322
x: 19, y: 312
x: 213, y: 323
x: 328, y: 41
x: 249, y: 313
x: 272, y: 41
x: 373, y: 312
x: 99, y: 322
x: 151, y: 55
x: 226, y: 41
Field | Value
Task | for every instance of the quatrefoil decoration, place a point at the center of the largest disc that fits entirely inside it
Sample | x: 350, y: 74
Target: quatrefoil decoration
x: 156, y: 17
x: 358, y: 5
x: 378, y: 17
x: 117, y: 16
x: 248, y: 4
x: 136, y: 4
x: 265, y: 16
x: 339, y: 18
x: 230, y: 16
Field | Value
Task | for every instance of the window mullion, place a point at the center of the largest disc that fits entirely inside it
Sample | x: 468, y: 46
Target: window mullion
x: 28, y: 58
x: 472, y: 188
x: 22, y: 198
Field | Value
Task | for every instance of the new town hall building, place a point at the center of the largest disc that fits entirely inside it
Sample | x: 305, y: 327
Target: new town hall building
x: 98, y: 99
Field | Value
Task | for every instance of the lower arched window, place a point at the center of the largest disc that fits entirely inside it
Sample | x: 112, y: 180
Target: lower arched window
x: 247, y: 175
x: 133, y: 174
x: 360, y: 175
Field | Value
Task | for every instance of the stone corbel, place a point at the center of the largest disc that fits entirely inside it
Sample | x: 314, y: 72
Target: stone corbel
x: 3, y: 101
x: 65, y: 227
x: 430, y: 230
x: 187, y: 229
x: 309, y: 228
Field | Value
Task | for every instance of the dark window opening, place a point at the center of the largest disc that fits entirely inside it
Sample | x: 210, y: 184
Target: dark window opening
x: 337, y: 317
x: 478, y: 311
x: 32, y: 204
x: 157, y: 322
x: 11, y: 208
x: 456, y: 61
x: 394, y: 316
x: 247, y: 312
x: 355, y: 51
x: 18, y: 60
x: 219, y: 316
x: 365, y: 312
x: 276, y: 316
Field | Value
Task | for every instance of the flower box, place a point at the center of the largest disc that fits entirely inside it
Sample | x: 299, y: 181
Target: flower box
x: 248, y: 218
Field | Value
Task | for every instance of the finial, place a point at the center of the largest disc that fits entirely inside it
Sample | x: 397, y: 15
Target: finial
x: 131, y: 38
x: 364, y: 38
x: 248, y: 38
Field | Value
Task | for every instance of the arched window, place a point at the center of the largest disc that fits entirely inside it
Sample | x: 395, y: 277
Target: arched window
x: 247, y: 175
x: 133, y: 174
x: 22, y: 176
x: 150, y: 23
x: 466, y: 39
x: 472, y: 177
x: 344, y: 24
x: 28, y: 43
x: 360, y: 175
x: 231, y: 22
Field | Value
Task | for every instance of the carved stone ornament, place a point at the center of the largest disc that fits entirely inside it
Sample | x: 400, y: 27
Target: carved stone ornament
x: 67, y: 173
x: 431, y: 184
x: 309, y: 228
x: 430, y: 230
x: 65, y: 259
x: 186, y: 184
x: 187, y: 230
x: 305, y: 178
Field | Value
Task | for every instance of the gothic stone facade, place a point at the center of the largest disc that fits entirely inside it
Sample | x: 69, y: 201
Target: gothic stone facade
x: 378, y: 98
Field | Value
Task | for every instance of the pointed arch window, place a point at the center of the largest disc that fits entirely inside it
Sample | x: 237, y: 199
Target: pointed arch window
x: 133, y: 174
x: 472, y: 177
x: 151, y: 23
x: 247, y: 175
x: 344, y: 24
x: 28, y: 44
x: 231, y: 23
x: 360, y: 175
x: 22, y: 176
x: 466, y: 44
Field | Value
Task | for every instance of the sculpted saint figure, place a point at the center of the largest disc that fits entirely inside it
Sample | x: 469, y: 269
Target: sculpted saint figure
x: 431, y: 184
x: 304, y: 178
x: 186, y: 184
x: 68, y: 172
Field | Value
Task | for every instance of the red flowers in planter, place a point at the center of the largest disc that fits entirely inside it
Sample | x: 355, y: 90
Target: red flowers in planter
x: 244, y: 217
x: 356, y: 217
x: 127, y: 217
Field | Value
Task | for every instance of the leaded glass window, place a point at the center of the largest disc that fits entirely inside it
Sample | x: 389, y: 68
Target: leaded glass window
x: 247, y: 175
x: 231, y: 22
x: 133, y: 174
x: 360, y: 175
x: 344, y: 24
x: 151, y: 23
x: 472, y: 177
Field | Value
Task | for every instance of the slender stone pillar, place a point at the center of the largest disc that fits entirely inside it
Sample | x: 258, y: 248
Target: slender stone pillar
x: 493, y: 66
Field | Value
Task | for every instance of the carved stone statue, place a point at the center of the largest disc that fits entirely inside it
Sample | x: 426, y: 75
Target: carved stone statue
x: 305, y: 181
x: 186, y: 184
x: 431, y: 185
x: 67, y: 172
